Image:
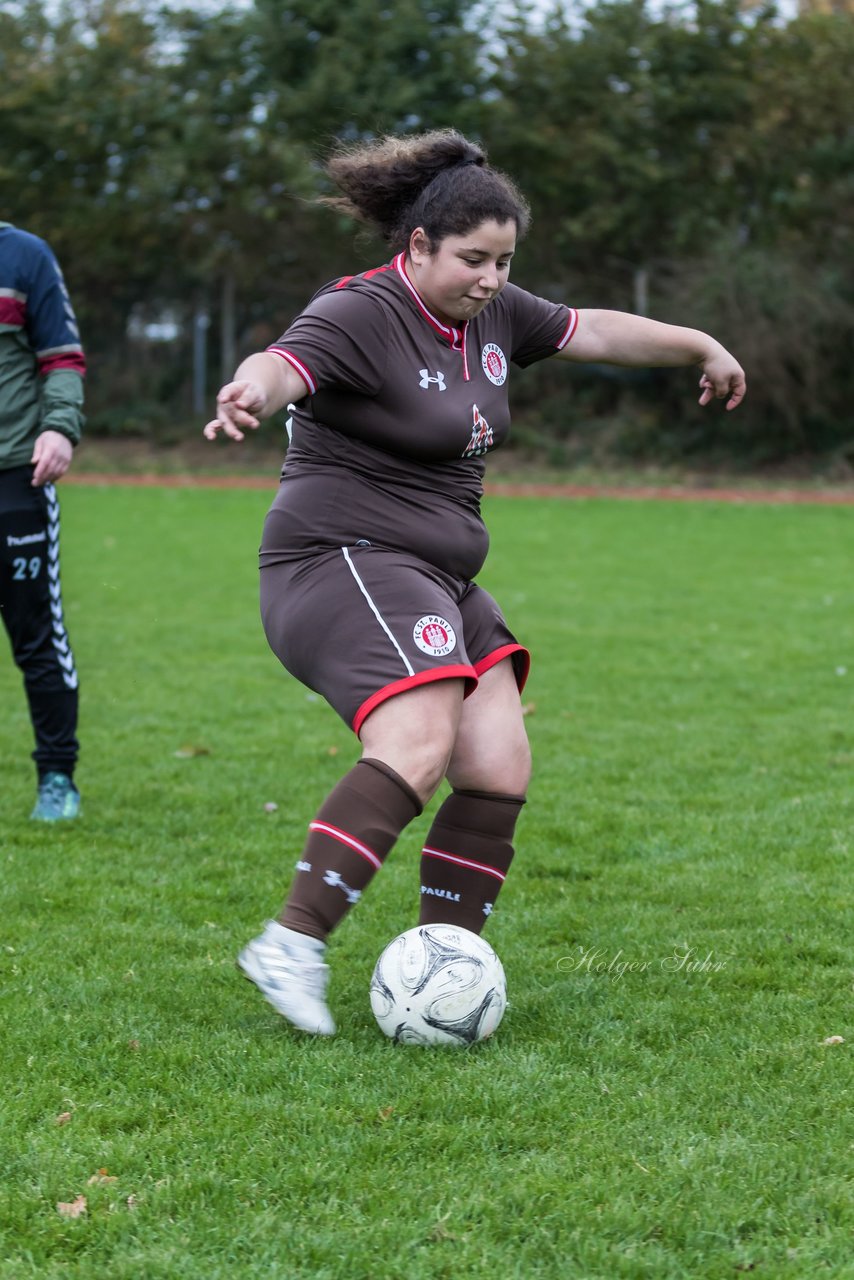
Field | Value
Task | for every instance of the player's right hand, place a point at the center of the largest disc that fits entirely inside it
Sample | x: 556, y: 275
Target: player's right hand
x: 239, y: 405
x: 723, y: 378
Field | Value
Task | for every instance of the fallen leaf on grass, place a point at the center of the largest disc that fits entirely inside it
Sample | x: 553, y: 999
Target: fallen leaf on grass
x: 529, y: 708
x: 834, y: 1040
x: 133, y: 1044
x: 73, y: 1209
x: 439, y: 1231
x: 189, y: 750
x: 385, y: 1112
x: 332, y: 751
x: 101, y: 1179
x: 63, y: 1118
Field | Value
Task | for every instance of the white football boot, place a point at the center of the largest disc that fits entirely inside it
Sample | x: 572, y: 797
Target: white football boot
x: 288, y: 971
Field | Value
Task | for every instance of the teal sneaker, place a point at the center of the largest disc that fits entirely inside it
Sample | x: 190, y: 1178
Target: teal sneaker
x: 58, y: 799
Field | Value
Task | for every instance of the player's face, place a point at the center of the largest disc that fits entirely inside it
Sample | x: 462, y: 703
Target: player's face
x: 464, y: 273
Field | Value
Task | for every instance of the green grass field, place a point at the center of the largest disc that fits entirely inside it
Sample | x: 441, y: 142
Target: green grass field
x: 677, y: 933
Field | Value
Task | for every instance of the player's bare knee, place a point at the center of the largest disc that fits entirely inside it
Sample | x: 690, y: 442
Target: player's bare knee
x: 421, y: 761
x: 429, y: 779
x: 415, y: 733
x: 504, y: 768
x: 424, y: 765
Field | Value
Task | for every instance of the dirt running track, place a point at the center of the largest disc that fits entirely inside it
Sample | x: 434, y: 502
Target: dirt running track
x: 675, y: 493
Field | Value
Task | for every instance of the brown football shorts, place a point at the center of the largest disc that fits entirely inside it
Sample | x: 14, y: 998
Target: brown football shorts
x: 360, y: 624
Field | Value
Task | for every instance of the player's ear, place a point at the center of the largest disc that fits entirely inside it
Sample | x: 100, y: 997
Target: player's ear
x: 419, y: 245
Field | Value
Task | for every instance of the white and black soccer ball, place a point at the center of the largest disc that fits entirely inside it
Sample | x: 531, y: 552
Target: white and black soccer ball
x: 438, y: 985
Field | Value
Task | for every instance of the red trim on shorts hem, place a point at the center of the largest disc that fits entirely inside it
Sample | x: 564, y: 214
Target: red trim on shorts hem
x: 507, y: 651
x: 411, y: 682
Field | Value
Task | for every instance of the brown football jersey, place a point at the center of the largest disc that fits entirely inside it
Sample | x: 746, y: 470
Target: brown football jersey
x: 389, y: 445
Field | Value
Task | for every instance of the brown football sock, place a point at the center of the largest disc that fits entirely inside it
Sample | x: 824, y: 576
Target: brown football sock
x: 466, y: 857
x: 354, y: 830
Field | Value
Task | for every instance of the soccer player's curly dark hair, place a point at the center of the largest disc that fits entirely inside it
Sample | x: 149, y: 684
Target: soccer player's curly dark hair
x: 439, y: 181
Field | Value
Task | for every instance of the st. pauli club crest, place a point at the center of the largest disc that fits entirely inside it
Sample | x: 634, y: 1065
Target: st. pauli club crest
x: 434, y: 635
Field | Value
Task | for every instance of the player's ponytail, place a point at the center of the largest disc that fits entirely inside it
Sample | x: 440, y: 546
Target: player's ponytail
x: 439, y: 181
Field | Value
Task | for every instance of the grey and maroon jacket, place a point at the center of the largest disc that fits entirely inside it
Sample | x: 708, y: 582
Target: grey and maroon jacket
x: 41, y: 359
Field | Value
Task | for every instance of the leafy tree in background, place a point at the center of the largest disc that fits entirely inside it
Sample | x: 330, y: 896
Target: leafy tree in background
x: 169, y: 155
x: 135, y: 140
x: 78, y: 92
x: 696, y: 162
x: 708, y: 160
x: 630, y: 129
x: 357, y: 69
x: 347, y: 72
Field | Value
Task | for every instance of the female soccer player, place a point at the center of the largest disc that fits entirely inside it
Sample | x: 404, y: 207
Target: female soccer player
x: 370, y: 550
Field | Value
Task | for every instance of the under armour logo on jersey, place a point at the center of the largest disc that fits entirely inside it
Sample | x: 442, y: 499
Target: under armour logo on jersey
x: 333, y: 878
x: 487, y: 908
x: 303, y: 866
x: 426, y: 379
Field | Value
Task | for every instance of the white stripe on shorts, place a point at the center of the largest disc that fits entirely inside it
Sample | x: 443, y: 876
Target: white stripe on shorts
x: 410, y: 670
x: 59, y: 635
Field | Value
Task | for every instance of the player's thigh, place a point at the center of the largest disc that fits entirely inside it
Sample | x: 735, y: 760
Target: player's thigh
x: 415, y: 733
x: 491, y: 752
x: 25, y: 565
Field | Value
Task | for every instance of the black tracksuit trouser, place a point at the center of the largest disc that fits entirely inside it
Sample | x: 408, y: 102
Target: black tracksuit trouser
x: 31, y: 608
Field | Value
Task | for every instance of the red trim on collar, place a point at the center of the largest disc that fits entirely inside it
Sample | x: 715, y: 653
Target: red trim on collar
x: 454, y: 336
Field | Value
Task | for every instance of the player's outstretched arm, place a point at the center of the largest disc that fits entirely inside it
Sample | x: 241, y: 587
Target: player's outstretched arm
x: 262, y: 385
x: 617, y: 337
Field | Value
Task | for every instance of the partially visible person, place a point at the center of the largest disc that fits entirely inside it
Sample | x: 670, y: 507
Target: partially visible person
x: 41, y: 416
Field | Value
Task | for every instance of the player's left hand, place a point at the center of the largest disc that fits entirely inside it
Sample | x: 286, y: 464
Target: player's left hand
x: 51, y: 457
x: 722, y: 377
